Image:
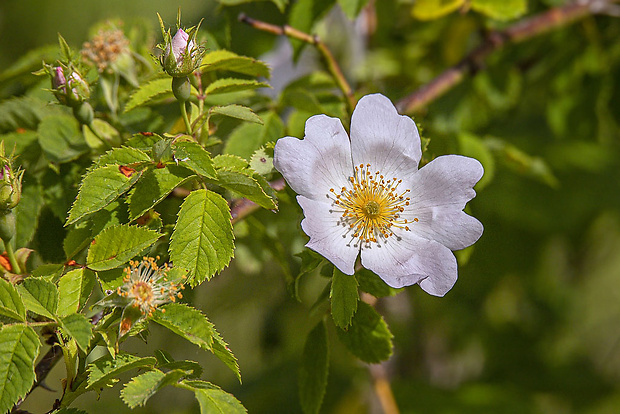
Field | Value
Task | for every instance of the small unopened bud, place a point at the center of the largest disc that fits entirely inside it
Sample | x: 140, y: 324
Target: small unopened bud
x: 181, y: 55
x: 69, y: 89
x: 58, y: 79
x: 10, y: 187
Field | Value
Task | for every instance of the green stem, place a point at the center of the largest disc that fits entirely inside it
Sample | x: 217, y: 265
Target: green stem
x: 188, y: 127
x: 11, y: 255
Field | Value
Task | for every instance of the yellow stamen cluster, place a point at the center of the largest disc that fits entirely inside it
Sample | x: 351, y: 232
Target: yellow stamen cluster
x: 147, y: 285
x: 105, y: 47
x: 372, y: 206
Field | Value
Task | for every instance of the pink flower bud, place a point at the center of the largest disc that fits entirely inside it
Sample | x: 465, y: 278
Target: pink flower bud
x: 58, y: 78
x: 180, y: 45
x: 181, y: 54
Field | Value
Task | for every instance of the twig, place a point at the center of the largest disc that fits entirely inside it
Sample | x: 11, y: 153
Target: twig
x: 326, y: 54
x: 383, y: 389
x: 380, y: 380
x: 520, y: 31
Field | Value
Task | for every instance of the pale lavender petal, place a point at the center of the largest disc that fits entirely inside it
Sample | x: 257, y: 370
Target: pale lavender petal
x: 412, y: 260
x: 449, y: 226
x: 446, y: 181
x: 322, y: 160
x: 179, y: 45
x: 389, y: 142
x: 328, y: 236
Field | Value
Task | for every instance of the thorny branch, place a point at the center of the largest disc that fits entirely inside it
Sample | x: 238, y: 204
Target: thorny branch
x: 518, y: 32
x: 326, y: 54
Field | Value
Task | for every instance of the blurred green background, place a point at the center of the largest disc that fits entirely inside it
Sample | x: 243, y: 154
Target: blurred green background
x: 533, y: 323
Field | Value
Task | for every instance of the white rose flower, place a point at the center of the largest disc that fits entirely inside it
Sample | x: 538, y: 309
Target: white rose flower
x: 366, y: 196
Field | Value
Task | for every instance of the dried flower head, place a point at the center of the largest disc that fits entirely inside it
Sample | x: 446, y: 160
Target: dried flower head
x: 105, y: 48
x: 146, y: 286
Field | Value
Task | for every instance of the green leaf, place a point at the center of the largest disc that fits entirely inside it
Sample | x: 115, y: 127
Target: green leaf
x: 237, y: 111
x: 221, y: 350
x: 352, y: 7
x: 193, y: 156
x: 99, y: 188
x: 188, y: 323
x: 247, y: 186
x: 61, y: 139
x: 434, y: 9
x: 79, y: 328
x: 11, y: 304
x: 141, y: 388
x: 153, y: 186
x: 22, y: 112
x: 500, y: 9
x: 27, y: 213
x: 77, y: 240
x: 212, y: 399
x: 103, y: 372
x: 227, y: 85
x: 122, y: 156
x: 19, y: 348
x: 262, y: 160
x: 314, y: 369
x: 74, y: 289
x: 64, y: 48
x: 192, y: 369
x: 302, y: 99
x: 247, y: 138
x: 117, y: 244
x: 106, y: 134
x: 202, y: 240
x: 472, y: 146
x: 230, y: 162
x: 344, y: 298
x: 149, y: 92
x: 143, y: 141
x: 40, y: 296
x: 229, y: 61
x: 368, y: 337
x: 373, y: 284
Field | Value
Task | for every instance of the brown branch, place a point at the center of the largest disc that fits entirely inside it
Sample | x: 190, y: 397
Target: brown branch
x: 520, y: 31
x: 326, y: 54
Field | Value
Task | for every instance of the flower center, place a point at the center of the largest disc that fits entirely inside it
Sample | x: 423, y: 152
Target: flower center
x: 142, y: 292
x: 147, y: 285
x: 372, y: 207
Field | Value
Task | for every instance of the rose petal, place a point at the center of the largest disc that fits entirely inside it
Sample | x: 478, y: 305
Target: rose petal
x: 413, y: 260
x: 328, y: 236
x: 389, y: 142
x: 179, y: 45
x: 322, y: 160
x: 451, y: 227
x: 446, y: 181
